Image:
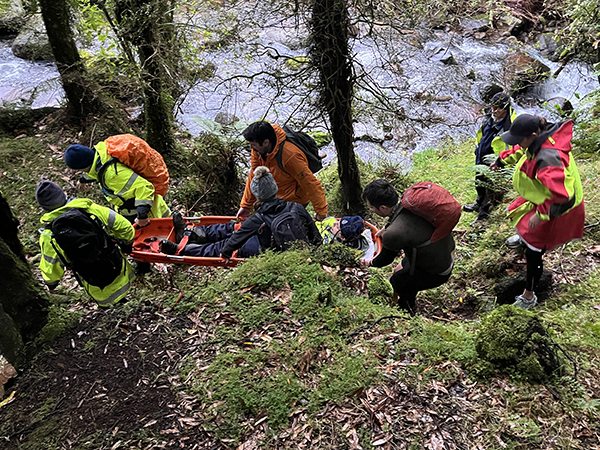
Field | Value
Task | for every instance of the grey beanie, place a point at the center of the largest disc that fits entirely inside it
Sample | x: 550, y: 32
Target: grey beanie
x: 263, y: 185
x: 50, y: 196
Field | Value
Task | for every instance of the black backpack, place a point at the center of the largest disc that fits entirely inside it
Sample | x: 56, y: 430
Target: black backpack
x: 288, y: 227
x: 305, y: 143
x: 87, y: 249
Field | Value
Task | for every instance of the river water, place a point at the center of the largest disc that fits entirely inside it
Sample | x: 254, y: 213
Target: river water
x: 408, y: 98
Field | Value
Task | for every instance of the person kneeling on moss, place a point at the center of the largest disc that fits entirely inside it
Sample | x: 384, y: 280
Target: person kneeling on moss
x: 250, y: 238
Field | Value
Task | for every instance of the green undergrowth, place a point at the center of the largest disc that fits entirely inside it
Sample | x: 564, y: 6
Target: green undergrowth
x: 286, y: 338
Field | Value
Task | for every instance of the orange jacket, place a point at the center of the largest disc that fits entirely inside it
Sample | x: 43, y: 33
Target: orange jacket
x: 298, y: 185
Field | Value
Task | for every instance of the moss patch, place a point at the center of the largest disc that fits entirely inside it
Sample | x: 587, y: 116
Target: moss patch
x: 514, y: 341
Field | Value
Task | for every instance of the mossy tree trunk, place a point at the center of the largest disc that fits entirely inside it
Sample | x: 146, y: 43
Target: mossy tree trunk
x: 23, y: 304
x: 330, y: 53
x: 148, y: 26
x: 81, y: 98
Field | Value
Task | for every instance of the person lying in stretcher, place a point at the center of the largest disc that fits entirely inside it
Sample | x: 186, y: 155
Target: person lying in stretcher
x: 275, y: 225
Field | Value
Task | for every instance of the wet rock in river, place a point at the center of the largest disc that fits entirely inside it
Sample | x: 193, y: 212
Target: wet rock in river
x: 12, y: 17
x: 32, y: 42
x: 523, y: 71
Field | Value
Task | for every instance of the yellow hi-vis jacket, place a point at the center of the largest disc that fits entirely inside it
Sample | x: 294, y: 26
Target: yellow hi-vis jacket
x: 124, y: 188
x: 115, y: 225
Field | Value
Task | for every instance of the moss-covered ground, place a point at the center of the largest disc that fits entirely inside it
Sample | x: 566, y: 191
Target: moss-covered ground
x: 286, y: 352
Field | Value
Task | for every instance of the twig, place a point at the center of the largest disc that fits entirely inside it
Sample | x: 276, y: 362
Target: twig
x: 568, y: 357
x: 564, y: 274
x: 591, y: 225
x: 367, y: 327
x: 87, y: 393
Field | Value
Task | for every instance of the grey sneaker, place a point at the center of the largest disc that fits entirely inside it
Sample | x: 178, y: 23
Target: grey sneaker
x: 514, y: 241
x: 522, y: 302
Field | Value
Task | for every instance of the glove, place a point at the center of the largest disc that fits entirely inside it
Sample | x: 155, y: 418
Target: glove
x: 126, y: 247
x: 142, y: 211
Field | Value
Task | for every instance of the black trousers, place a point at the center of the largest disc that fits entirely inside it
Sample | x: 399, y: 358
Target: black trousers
x: 407, y: 286
x: 487, y: 198
x: 535, y: 268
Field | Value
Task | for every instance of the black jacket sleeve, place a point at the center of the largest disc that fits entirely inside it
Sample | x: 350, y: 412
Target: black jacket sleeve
x: 249, y: 228
x: 384, y: 258
x: 314, y: 236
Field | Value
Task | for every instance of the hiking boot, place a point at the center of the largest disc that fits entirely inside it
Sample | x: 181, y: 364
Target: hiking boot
x: 514, y: 241
x: 179, y: 226
x: 168, y: 247
x: 471, y: 207
x: 522, y: 302
x: 197, y: 236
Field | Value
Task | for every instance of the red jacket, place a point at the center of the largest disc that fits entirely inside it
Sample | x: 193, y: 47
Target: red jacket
x: 550, y: 187
x: 298, y: 185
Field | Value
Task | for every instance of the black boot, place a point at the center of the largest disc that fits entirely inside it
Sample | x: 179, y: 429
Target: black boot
x: 168, y: 247
x: 198, y: 236
x: 179, y: 225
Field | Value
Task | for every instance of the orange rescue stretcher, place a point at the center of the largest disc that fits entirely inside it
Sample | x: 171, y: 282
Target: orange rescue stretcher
x: 160, y: 229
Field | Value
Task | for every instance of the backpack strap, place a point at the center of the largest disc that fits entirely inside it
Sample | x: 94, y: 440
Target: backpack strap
x: 101, y: 171
x: 67, y: 265
x: 279, y: 157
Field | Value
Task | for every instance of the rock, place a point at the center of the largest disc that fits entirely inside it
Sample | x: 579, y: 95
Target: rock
x: 523, y: 71
x: 12, y: 17
x: 489, y: 91
x: 507, y: 290
x: 560, y: 105
x: 474, y: 25
x: 548, y: 46
x: 32, y: 42
x: 449, y: 60
x: 225, y: 118
x: 12, y: 119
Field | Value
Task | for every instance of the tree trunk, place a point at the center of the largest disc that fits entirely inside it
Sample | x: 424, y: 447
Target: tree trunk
x: 331, y: 55
x: 148, y: 25
x: 23, y: 305
x: 82, y: 101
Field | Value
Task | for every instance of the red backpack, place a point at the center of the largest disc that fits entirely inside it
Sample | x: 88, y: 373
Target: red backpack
x: 434, y: 203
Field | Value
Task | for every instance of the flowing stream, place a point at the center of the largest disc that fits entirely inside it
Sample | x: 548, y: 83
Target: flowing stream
x: 428, y: 98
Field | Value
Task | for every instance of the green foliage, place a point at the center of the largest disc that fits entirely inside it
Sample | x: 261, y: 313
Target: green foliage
x: 380, y: 289
x: 582, y: 35
x: 587, y: 124
x: 514, y: 341
x: 297, y: 63
x: 574, y: 316
x: 321, y: 138
x: 244, y: 382
x: 337, y: 254
x: 206, y: 178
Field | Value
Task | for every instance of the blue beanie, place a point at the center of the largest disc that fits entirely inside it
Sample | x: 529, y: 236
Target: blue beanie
x: 50, y: 196
x: 79, y: 156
